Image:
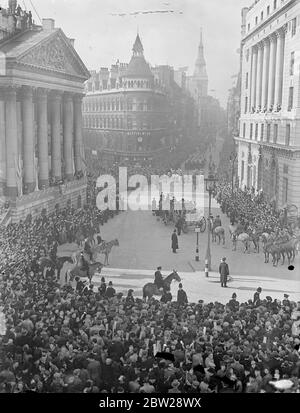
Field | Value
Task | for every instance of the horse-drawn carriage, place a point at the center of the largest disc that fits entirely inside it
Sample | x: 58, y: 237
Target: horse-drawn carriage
x: 193, y: 219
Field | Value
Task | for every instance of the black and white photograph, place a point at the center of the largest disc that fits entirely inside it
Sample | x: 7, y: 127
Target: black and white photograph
x: 149, y: 201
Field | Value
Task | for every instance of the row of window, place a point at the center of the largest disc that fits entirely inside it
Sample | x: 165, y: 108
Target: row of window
x: 116, y: 105
x: 260, y: 18
x: 255, y: 130
x: 114, y: 123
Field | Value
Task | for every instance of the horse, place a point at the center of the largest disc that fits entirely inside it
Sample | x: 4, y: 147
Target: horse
x: 150, y: 289
x: 270, y: 248
x: 220, y: 233
x: 77, y: 271
x: 289, y: 248
x: 244, y: 238
x: 105, y: 248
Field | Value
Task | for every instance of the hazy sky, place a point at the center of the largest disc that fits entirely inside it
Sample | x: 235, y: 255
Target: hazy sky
x: 170, y: 38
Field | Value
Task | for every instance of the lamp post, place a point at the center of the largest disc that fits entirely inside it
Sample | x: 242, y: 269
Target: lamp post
x: 197, y: 230
x: 210, y: 184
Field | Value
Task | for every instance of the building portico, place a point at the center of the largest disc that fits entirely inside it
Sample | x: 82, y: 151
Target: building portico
x: 41, y: 145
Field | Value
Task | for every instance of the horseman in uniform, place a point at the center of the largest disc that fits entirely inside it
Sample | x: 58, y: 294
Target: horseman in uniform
x: 84, y: 265
x: 88, y: 249
x: 217, y: 222
x: 158, y: 281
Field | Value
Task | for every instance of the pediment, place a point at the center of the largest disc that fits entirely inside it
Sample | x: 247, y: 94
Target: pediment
x: 55, y: 54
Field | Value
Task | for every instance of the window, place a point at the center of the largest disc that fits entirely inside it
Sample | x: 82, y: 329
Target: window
x: 268, y: 10
x: 256, y: 20
x: 291, y: 98
x: 262, y: 15
x: 129, y: 105
x: 275, y: 133
x: 285, y: 186
x: 292, y: 63
x: 287, y: 134
x: 247, y: 80
x: 275, y: 4
x: 256, y: 131
x: 251, y: 130
x: 294, y: 26
x: 285, y: 169
x: 246, y: 104
x: 129, y: 123
x: 262, y: 129
x: 248, y: 27
x: 244, y: 130
x: 268, y: 132
x: 243, y: 171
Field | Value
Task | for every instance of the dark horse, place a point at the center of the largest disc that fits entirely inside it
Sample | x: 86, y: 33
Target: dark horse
x: 150, y: 289
x: 77, y: 271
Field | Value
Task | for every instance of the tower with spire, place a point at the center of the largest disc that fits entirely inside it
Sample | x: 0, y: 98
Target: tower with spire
x: 200, y: 75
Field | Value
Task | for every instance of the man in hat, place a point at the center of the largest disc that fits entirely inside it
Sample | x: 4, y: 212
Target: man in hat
x: 174, y: 240
x: 110, y: 291
x: 217, y: 222
x: 224, y: 272
x: 181, y: 296
x: 233, y: 303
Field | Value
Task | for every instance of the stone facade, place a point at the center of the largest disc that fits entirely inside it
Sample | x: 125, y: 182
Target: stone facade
x: 135, y: 112
x: 269, y: 145
x: 41, y: 145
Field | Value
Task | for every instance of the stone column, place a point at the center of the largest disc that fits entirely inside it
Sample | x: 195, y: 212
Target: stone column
x: 12, y: 154
x: 279, y: 68
x: 68, y: 136
x: 55, y: 134
x: 28, y: 139
x: 271, y: 85
x: 259, y: 76
x: 78, y: 132
x: 42, y: 137
x: 2, y: 146
x: 253, y: 77
x: 265, y: 74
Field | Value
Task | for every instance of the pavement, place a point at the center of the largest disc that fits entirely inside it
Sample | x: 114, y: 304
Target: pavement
x: 145, y: 243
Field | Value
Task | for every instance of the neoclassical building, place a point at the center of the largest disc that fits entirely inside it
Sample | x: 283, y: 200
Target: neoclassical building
x: 127, y: 111
x: 269, y: 136
x: 41, y: 91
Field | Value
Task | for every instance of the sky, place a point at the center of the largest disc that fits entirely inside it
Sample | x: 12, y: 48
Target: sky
x: 169, y: 38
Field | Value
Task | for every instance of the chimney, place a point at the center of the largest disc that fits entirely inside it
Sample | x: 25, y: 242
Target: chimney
x: 72, y: 41
x: 48, y: 24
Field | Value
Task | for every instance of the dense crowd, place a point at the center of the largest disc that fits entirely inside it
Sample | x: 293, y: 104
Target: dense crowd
x: 250, y: 209
x: 65, y: 340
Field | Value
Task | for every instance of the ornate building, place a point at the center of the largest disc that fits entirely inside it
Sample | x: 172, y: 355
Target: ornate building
x: 126, y: 112
x: 41, y: 90
x: 268, y: 141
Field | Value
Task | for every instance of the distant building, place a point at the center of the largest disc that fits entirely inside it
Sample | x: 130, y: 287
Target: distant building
x: 133, y: 112
x: 210, y: 115
x: 268, y: 139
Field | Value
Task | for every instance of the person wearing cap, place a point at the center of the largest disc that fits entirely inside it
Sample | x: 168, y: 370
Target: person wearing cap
x: 181, y: 296
x: 224, y: 272
x: 286, y: 302
x: 256, y: 297
x: 217, y: 222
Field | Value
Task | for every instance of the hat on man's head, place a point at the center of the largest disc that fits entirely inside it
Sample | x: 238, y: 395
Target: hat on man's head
x: 159, y: 268
x: 286, y: 296
x: 224, y: 259
x: 259, y: 289
x: 110, y: 283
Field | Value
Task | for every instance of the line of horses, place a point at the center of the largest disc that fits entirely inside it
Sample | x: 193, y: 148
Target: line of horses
x: 74, y: 265
x: 279, y: 247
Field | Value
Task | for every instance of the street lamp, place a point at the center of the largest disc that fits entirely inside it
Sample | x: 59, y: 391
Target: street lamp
x: 197, y: 230
x: 210, y: 185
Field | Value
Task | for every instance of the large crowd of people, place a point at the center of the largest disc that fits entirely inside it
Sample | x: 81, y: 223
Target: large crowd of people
x: 250, y: 208
x: 65, y: 340
x: 83, y: 339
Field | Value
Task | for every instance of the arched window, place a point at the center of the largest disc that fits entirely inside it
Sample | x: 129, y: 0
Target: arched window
x: 104, y: 123
x: 117, y: 123
x: 113, y: 105
x: 117, y: 105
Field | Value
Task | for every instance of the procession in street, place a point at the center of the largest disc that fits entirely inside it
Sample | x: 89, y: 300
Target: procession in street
x: 181, y: 276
